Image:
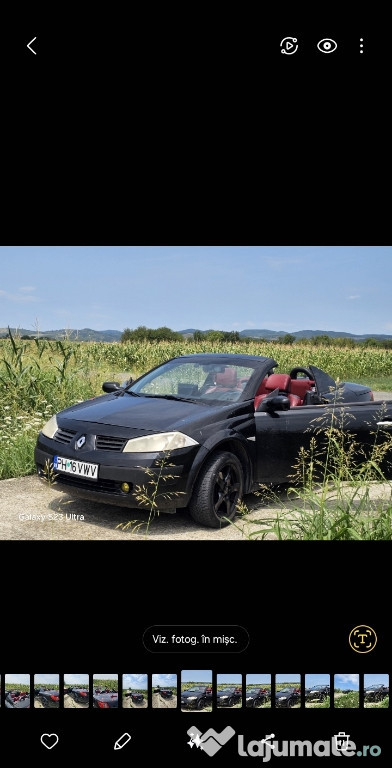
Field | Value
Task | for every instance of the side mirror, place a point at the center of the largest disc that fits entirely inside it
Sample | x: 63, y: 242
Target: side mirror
x: 111, y: 386
x: 276, y: 403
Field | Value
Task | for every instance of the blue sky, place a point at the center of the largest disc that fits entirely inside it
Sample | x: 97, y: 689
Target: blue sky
x: 230, y: 678
x: 262, y: 679
x: 18, y: 679
x: 162, y: 680
x: 47, y: 679
x: 374, y: 679
x: 196, y: 676
x: 76, y: 680
x: 282, y: 288
x: 311, y: 680
x: 134, y: 681
x: 288, y: 678
x: 105, y: 677
x: 345, y: 682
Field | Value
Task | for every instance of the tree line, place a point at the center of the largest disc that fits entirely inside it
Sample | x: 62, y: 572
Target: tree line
x: 164, y: 333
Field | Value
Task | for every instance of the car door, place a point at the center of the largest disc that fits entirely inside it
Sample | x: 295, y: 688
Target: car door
x: 282, y: 435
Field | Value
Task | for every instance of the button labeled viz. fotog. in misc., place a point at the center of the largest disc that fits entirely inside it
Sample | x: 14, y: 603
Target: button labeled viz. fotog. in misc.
x: 196, y: 638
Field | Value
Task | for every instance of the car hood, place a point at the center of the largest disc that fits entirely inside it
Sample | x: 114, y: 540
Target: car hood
x: 146, y: 413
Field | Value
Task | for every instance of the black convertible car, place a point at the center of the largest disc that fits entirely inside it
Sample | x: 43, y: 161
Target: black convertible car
x: 287, y: 697
x: 47, y: 697
x: 376, y: 692
x: 136, y: 697
x: 81, y: 695
x: 196, y: 697
x: 319, y: 692
x: 223, y: 422
x: 17, y: 700
x: 227, y: 697
x: 255, y: 697
x: 105, y: 700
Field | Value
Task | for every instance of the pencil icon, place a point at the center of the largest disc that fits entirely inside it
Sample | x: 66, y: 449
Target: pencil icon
x: 122, y: 741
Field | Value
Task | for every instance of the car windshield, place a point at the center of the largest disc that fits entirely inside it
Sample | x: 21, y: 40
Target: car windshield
x: 373, y: 687
x: 252, y: 691
x: 196, y: 380
x: 286, y: 690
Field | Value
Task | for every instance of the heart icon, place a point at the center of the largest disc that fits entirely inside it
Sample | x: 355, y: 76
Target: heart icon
x: 49, y: 740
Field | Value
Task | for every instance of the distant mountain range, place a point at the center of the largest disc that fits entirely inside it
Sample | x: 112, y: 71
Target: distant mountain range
x: 88, y: 334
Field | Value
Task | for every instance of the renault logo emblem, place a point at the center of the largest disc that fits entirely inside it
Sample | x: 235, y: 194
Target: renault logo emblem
x: 79, y: 443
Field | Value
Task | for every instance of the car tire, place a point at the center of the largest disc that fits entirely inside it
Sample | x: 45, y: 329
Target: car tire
x: 201, y: 703
x: 217, y: 491
x: 257, y: 703
x: 290, y: 702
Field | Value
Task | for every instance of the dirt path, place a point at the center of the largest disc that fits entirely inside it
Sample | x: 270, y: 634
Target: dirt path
x: 127, y: 703
x: 158, y: 702
x: 70, y: 703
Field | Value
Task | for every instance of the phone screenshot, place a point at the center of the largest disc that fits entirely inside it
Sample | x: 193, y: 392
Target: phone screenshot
x: 196, y: 393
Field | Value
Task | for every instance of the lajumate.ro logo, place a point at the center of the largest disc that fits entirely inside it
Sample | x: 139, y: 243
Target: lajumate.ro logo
x: 338, y: 745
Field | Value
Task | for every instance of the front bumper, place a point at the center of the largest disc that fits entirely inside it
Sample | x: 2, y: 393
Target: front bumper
x: 138, y: 470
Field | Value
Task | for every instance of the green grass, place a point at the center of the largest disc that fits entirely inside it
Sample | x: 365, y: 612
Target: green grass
x: 40, y: 377
x: 346, y: 700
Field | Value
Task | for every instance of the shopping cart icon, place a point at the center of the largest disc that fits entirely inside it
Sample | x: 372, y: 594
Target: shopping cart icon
x: 341, y: 741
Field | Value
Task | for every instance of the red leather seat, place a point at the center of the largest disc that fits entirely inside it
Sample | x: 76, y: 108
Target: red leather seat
x: 279, y: 381
x: 301, y: 386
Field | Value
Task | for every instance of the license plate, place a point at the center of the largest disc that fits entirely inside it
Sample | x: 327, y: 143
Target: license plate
x: 75, y: 467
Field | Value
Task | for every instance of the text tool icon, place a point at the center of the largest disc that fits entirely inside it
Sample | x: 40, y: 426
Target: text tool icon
x: 289, y: 45
x: 122, y: 741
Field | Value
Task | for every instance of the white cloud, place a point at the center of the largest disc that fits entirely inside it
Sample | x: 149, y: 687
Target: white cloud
x: 27, y: 288
x: 354, y: 296
x: 135, y: 681
x: 76, y: 679
x: 18, y: 679
x: 46, y: 679
x: 163, y: 680
x: 347, y: 679
x: 18, y: 297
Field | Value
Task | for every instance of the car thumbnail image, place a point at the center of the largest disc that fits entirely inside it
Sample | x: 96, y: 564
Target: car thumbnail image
x: 376, y: 691
x: 346, y: 691
x: 76, y: 692
x: 46, y: 691
x: 317, y: 692
x: 135, y: 691
x: 258, y: 691
x: 105, y: 691
x: 288, y: 691
x: 229, y: 691
x: 196, y: 690
x: 164, y: 691
x: 17, y: 691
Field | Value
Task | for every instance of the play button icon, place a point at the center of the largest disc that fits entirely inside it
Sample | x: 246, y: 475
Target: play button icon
x: 289, y: 45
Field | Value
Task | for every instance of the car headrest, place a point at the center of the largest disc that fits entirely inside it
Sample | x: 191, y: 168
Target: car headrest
x: 278, y: 381
x: 228, y: 378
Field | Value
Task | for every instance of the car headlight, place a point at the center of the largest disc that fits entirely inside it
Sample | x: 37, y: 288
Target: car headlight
x: 282, y: 698
x: 223, y: 697
x: 50, y: 428
x: 191, y: 698
x: 164, y: 441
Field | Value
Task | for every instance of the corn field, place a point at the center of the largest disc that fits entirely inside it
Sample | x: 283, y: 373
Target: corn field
x: 41, y: 377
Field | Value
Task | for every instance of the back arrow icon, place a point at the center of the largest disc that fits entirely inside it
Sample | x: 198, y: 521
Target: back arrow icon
x: 30, y: 49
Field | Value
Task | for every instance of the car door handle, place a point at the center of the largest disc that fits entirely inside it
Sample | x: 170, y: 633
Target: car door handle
x: 384, y: 423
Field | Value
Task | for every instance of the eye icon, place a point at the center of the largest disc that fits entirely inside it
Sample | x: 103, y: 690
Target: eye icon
x: 327, y: 45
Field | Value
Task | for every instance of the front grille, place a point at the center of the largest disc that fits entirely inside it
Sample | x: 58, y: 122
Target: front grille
x: 64, y: 435
x: 108, y: 443
x: 99, y: 486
